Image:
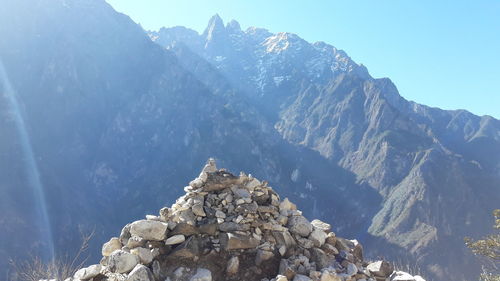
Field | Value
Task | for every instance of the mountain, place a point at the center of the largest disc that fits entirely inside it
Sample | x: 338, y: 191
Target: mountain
x: 423, y: 162
x: 228, y: 227
x: 100, y: 126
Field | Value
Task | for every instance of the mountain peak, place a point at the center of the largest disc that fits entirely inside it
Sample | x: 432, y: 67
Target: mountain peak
x: 215, y: 25
x: 215, y: 19
x: 233, y: 26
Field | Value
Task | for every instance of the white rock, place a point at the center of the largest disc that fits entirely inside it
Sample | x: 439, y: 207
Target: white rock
x: 281, y: 278
x: 149, y: 230
x: 282, y: 250
x: 145, y: 255
x: 112, y: 245
x: 203, y: 176
x: 257, y: 236
x: 152, y: 218
x: 220, y: 214
x: 321, y: 225
x: 318, y: 237
x: 88, y: 272
x: 134, y: 242
x: 122, y: 262
x: 418, y: 278
x: 239, y: 219
x: 202, y: 274
x: 258, y: 231
x: 176, y: 239
x: 211, y: 166
x: 233, y: 265
x: 140, y: 273
x: 196, y: 183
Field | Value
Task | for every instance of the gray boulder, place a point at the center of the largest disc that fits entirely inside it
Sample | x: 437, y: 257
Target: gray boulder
x: 145, y: 255
x: 140, y: 273
x: 299, y: 225
x: 122, y: 262
x: 88, y: 272
x: 318, y: 237
x: 176, y: 239
x: 149, y: 230
x: 112, y: 245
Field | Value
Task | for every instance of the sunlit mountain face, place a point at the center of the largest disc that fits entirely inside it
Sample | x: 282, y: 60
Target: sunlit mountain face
x: 103, y: 121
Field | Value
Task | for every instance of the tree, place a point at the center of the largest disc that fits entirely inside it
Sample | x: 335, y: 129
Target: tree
x: 488, y: 250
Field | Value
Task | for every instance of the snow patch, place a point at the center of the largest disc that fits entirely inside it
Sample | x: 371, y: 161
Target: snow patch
x: 219, y: 58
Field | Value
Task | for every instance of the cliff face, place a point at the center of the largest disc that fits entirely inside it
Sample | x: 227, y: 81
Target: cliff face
x: 228, y: 227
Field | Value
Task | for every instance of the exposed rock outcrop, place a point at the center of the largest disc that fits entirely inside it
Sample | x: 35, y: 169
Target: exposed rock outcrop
x: 230, y: 227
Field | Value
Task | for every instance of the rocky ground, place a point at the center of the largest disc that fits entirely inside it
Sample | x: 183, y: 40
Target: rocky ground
x: 229, y: 227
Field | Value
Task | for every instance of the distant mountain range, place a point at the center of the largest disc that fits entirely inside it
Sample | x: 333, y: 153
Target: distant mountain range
x: 113, y: 113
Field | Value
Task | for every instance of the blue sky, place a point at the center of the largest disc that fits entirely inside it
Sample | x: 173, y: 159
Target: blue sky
x: 440, y: 53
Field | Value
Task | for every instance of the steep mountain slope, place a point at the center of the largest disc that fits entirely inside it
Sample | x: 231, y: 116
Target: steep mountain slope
x: 423, y: 161
x: 114, y: 124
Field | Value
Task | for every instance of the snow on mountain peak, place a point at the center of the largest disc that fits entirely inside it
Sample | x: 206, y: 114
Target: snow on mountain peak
x: 277, y: 43
x: 282, y: 41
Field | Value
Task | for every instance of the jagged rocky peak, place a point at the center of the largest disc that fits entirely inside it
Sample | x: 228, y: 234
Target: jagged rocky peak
x: 215, y: 26
x: 233, y: 26
x: 229, y: 227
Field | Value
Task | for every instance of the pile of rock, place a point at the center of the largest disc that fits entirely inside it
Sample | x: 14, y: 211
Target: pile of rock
x: 230, y: 227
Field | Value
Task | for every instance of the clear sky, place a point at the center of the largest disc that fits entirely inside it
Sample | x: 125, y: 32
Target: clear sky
x: 440, y: 53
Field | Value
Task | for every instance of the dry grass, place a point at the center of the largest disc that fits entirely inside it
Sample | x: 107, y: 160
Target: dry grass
x: 35, y: 269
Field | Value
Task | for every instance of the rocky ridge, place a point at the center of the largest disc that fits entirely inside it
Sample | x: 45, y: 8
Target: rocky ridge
x: 415, y: 157
x: 229, y: 227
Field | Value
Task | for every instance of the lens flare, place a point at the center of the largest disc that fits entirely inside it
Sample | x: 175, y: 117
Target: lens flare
x: 31, y: 167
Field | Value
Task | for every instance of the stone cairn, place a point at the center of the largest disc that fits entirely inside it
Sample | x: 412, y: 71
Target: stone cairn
x: 230, y: 227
